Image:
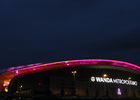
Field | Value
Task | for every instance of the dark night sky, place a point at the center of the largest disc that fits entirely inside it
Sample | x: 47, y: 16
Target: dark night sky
x: 35, y: 31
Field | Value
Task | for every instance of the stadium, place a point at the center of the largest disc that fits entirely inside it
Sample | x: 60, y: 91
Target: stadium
x: 92, y: 78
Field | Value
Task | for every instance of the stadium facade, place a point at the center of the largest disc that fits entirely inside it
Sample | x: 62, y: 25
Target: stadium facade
x: 82, y: 77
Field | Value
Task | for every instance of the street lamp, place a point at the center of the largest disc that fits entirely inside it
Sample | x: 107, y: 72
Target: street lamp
x: 74, y: 72
x: 74, y: 89
x: 20, y: 88
x: 130, y: 93
x: 105, y: 75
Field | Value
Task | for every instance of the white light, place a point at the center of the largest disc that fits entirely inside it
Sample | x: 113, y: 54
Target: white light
x: 129, y: 78
x: 74, y: 72
x: 21, y: 86
x: 4, y: 84
x: 17, y: 71
x: 105, y: 75
x: 111, y: 80
x: 92, y: 79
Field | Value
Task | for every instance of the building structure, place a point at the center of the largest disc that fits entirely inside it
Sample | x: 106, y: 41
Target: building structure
x: 82, y: 77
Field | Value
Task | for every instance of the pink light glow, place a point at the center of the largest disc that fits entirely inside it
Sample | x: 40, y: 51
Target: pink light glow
x: 16, y: 71
x: 30, y: 65
x: 74, y: 63
x: 19, y: 67
x: 37, y: 63
x: 119, y: 91
x: 83, y: 62
x: 4, y: 84
x: 80, y: 62
x: 10, y: 69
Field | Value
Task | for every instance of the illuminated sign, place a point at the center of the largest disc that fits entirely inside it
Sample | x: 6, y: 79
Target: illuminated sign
x: 111, y: 80
x: 119, y: 91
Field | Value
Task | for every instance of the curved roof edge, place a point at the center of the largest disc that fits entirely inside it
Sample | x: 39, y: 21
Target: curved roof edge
x: 76, y: 62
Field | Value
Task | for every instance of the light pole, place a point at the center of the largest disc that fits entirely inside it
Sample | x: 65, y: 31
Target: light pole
x: 105, y: 75
x: 74, y: 88
x: 20, y: 89
x: 130, y: 93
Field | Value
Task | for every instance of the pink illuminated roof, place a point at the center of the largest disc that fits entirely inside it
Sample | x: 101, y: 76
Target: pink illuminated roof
x: 81, y: 62
x: 69, y: 63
